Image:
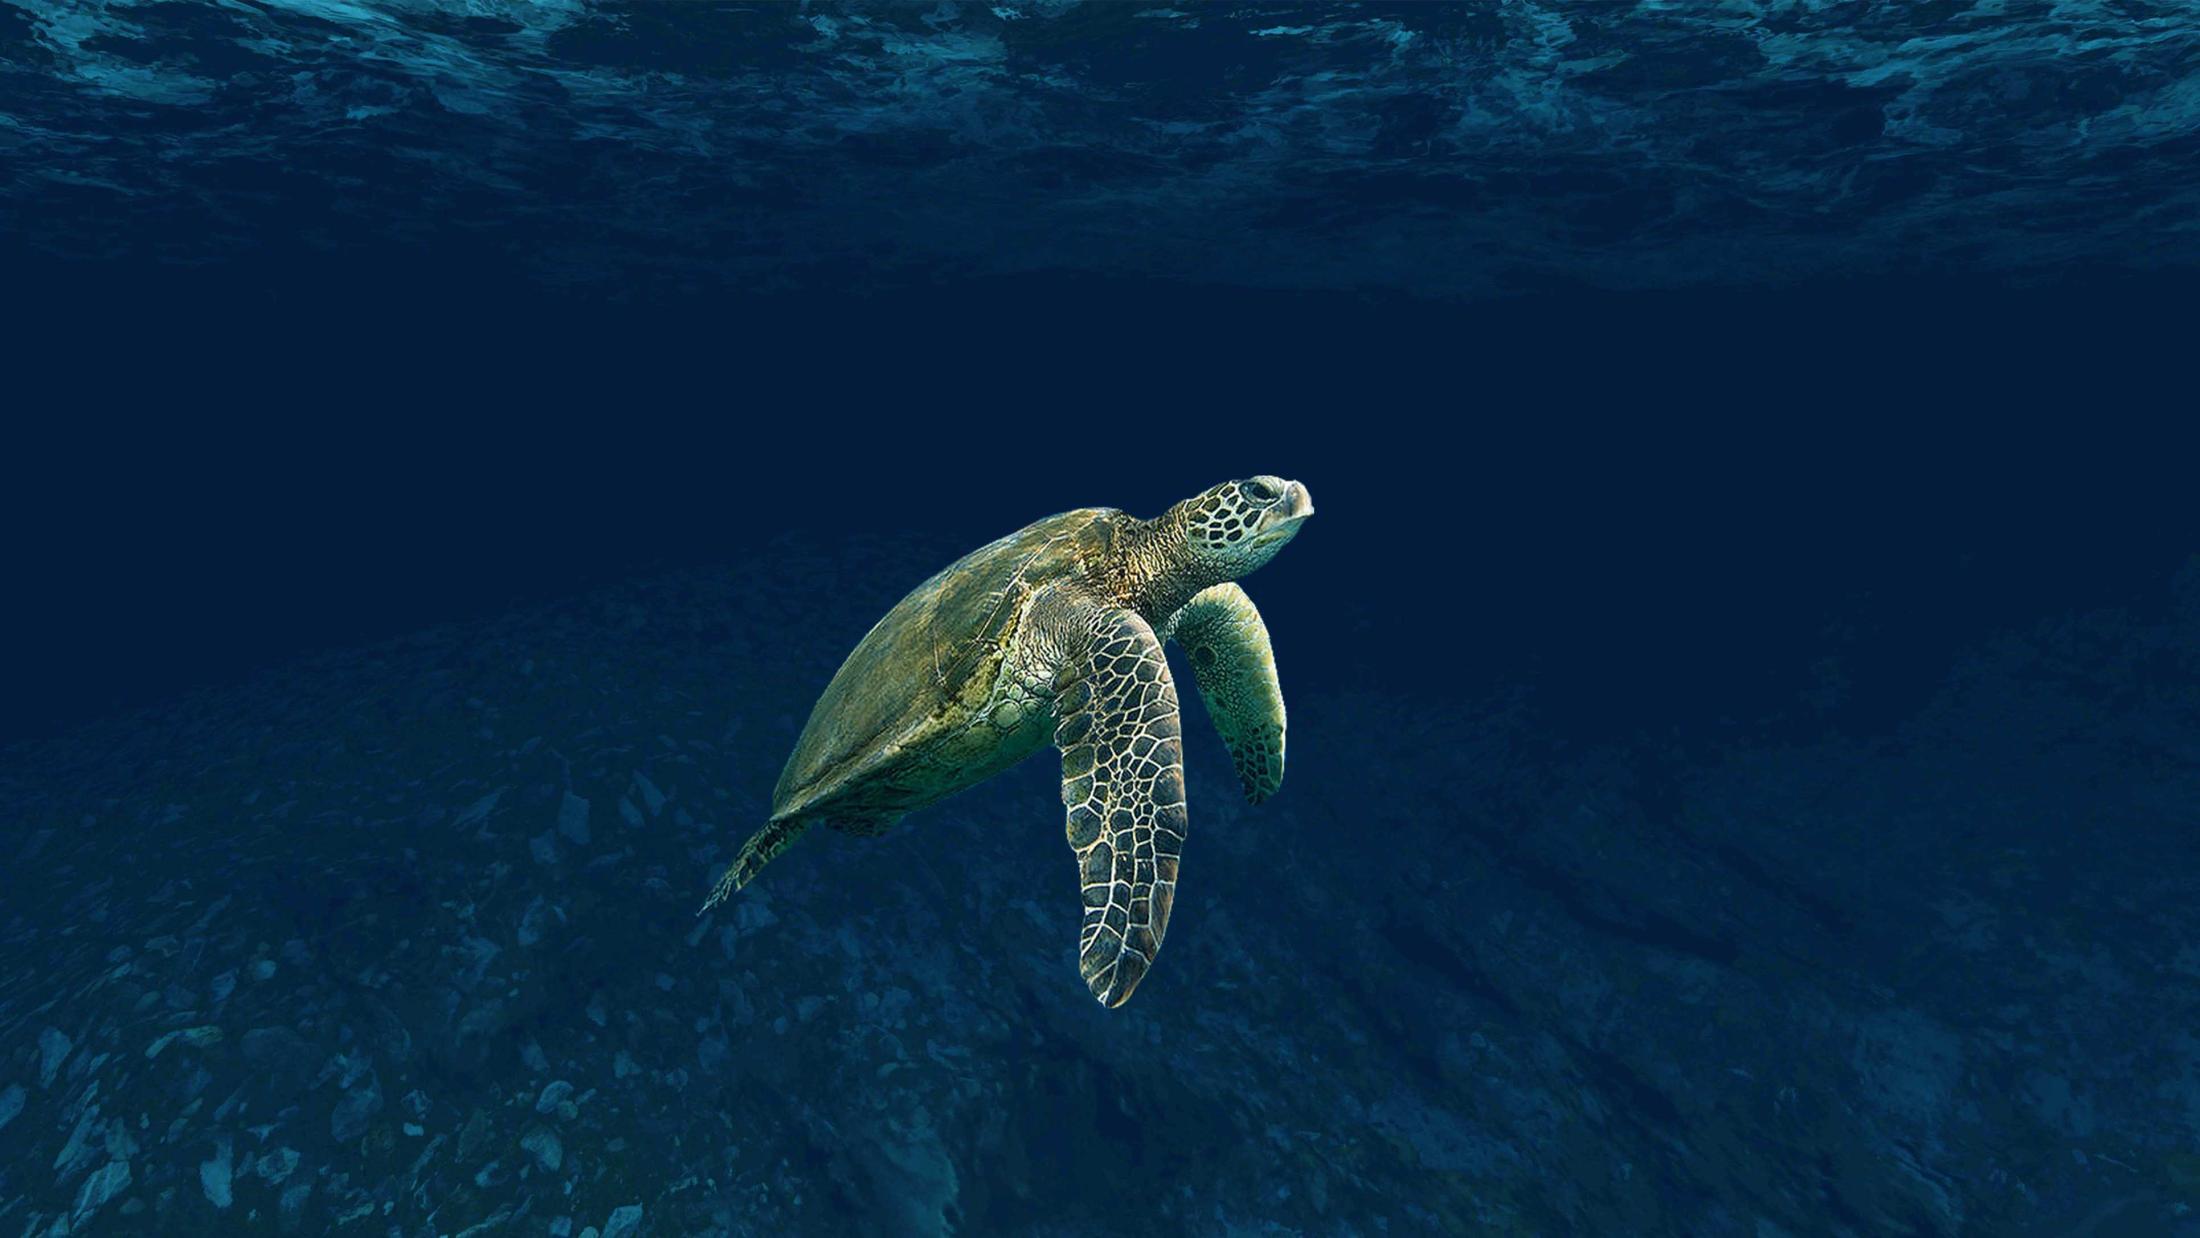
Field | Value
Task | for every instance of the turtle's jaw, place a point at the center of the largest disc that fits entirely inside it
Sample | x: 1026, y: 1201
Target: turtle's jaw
x: 1284, y: 521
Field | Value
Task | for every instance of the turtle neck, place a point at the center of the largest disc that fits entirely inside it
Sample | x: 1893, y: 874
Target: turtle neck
x: 1160, y: 572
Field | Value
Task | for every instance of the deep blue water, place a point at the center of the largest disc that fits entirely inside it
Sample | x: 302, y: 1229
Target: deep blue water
x: 1743, y: 670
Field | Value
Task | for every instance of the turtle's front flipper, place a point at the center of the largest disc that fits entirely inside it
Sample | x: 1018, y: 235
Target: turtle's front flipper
x: 1236, y: 668
x: 775, y: 837
x: 1123, y: 784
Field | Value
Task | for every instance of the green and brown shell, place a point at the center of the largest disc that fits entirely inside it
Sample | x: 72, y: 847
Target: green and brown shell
x: 872, y: 746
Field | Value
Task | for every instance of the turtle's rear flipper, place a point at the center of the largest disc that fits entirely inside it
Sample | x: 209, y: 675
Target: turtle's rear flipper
x: 775, y: 837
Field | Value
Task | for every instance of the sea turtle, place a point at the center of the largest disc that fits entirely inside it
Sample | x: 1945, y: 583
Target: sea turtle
x: 1057, y: 630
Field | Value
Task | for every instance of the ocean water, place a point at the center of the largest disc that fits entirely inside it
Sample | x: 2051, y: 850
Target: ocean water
x: 1743, y: 671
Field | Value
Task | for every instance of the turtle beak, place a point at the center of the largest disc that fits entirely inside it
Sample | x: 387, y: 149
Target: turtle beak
x: 1285, y: 518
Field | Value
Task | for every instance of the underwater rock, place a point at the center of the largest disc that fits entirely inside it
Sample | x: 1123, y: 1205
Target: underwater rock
x: 11, y: 1103
x: 358, y: 1105
x: 555, y: 1095
x: 573, y: 819
x: 624, y: 1223
x: 276, y: 1166
x: 291, y: 1208
x: 106, y: 1182
x: 531, y: 923
x: 84, y: 1143
x: 215, y: 1175
x: 652, y: 798
x: 53, y: 1049
x: 474, y: 1135
x: 541, y: 1143
x: 479, y: 810
x: 200, y: 1037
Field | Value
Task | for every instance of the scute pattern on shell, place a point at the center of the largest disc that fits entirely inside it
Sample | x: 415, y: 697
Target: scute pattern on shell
x: 923, y: 669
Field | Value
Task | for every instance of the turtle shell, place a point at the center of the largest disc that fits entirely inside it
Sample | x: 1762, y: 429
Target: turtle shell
x: 926, y: 668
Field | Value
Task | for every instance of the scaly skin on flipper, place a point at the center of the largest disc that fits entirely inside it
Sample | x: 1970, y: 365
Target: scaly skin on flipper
x: 1235, y: 667
x: 1123, y: 787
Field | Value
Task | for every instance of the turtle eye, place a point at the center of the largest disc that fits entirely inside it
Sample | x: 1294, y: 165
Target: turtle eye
x: 1259, y: 491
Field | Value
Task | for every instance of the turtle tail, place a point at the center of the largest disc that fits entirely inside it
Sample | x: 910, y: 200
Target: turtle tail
x: 763, y: 845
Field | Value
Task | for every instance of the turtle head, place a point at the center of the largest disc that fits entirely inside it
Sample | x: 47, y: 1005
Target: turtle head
x: 1235, y: 527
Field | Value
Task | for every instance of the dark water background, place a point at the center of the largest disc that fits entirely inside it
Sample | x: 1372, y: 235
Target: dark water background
x: 1742, y: 673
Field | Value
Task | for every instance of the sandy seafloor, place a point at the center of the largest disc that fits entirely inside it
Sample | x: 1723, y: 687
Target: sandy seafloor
x: 402, y: 941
